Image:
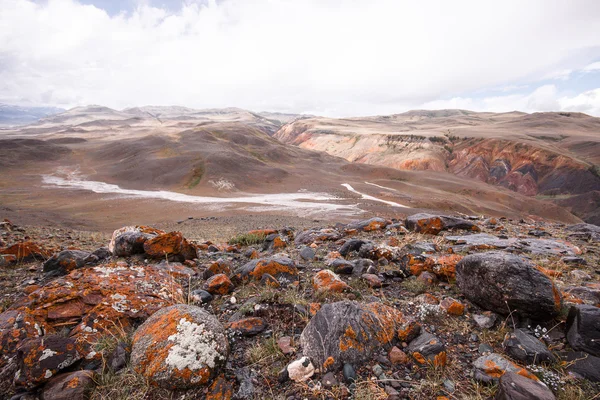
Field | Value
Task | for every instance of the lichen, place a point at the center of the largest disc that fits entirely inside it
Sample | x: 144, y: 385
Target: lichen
x: 194, y: 347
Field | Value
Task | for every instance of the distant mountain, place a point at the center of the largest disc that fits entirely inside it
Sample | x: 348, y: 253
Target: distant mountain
x: 22, y: 115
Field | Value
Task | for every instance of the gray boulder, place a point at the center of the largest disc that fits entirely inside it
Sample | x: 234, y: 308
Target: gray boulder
x: 516, y: 387
x: 427, y: 345
x: 502, y: 283
x: 583, y: 329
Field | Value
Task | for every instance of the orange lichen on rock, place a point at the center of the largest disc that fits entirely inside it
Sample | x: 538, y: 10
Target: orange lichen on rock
x: 218, y: 284
x: 328, y: 281
x: 172, y: 243
x: 445, y: 267
x: 279, y: 243
x: 551, y: 273
x: 452, y: 307
x: 328, y: 363
x: 440, y: 359
x: 419, y: 357
x: 218, y: 267
x: 26, y: 251
x: 313, y: 308
x: 220, y: 389
x: 273, y: 268
x: 416, y: 265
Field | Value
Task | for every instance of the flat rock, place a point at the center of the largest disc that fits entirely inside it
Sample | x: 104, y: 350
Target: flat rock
x: 583, y: 329
x: 583, y: 365
x: 75, y: 385
x: 525, y: 347
x: 516, y: 387
x: 327, y: 281
x: 490, y: 367
x: 425, y: 347
x: 67, y: 261
x: 434, y: 224
x: 316, y: 235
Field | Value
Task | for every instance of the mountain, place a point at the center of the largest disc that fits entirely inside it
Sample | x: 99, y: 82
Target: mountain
x: 20, y: 115
x: 552, y: 156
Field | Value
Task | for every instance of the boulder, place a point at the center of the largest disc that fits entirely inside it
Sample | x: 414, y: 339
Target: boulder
x: 70, y: 386
x: 67, y: 261
x: 490, y: 367
x: 341, y: 266
x: 171, y: 244
x: 316, y: 235
x: 427, y: 347
x: 502, y: 283
x: 218, y: 267
x: 373, y: 280
x: 301, y: 370
x: 307, y: 253
x: 25, y: 251
x: 583, y: 329
x: 585, y: 231
x: 220, y: 389
x: 524, y: 347
x: 40, y: 358
x: 583, y: 365
x: 281, y: 268
x: 350, y: 332
x: 516, y: 387
x: 218, y: 284
x: 327, y: 281
x: 452, y: 306
x: 179, y: 347
x: 369, y: 225
x: 434, y: 224
x: 130, y: 240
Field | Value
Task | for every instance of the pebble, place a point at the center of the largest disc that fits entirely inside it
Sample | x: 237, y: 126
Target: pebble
x: 349, y: 373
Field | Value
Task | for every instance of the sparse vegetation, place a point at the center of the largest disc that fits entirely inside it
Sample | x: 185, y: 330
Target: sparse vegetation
x: 247, y: 239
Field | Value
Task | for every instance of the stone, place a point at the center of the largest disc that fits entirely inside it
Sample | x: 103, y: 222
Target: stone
x: 341, y: 266
x: 327, y: 281
x: 285, y: 345
x: 329, y: 381
x: 452, y: 306
x: 220, y: 389
x: 245, y: 376
x: 218, y: 267
x: 41, y: 358
x: 25, y: 251
x: 179, y: 347
x: 218, y: 284
x: 307, y: 253
x: 316, y: 235
x: 427, y: 347
x: 502, y: 283
x: 250, y: 326
x: 130, y: 240
x: 117, y: 359
x: 70, y: 386
x: 427, y: 278
x: 66, y: 261
x: 516, y: 387
x: 397, y: 356
x: 486, y: 320
x: 369, y: 225
x: 580, y: 275
x: 96, y: 301
x: 269, y: 280
x: 490, y: 367
x: 171, y: 244
x: 351, y: 245
x: 350, y: 332
x: 583, y: 365
x: 373, y: 280
x: 524, y: 347
x: 301, y: 370
x: 349, y: 373
x: 434, y: 224
x: 583, y: 329
x: 281, y: 268
x: 585, y: 231
x: 201, y: 296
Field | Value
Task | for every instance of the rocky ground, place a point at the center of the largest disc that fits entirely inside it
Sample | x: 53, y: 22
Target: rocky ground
x: 427, y: 307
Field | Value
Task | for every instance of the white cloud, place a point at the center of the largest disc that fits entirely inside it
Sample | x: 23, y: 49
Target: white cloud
x: 335, y: 57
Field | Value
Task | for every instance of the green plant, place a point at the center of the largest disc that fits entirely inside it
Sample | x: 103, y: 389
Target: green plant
x: 247, y: 239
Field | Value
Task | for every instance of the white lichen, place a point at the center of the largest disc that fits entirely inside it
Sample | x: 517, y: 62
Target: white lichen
x: 47, y: 353
x: 194, y: 347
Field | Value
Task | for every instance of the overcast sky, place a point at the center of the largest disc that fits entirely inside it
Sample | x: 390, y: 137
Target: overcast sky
x: 325, y: 57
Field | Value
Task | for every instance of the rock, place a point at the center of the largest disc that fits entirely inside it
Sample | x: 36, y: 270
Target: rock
x: 269, y: 280
x: 179, y: 347
x: 449, y: 385
x: 329, y: 380
x: 574, y: 260
x: 218, y: 267
x: 220, y: 389
x: 589, y: 293
x: 487, y: 320
x: 201, y: 296
x: 427, y: 347
x: 282, y: 268
x: 583, y: 365
x: 580, y: 275
x: 349, y: 373
x: 117, y: 359
x: 502, y: 283
x: 342, y: 267
x: 300, y: 370
x: 583, y: 329
x: 490, y: 367
x: 434, y: 224
x: 369, y: 225
x: 285, y: 345
x: 66, y: 261
x: 245, y: 376
x: 171, y: 244
x: 377, y: 370
x: 307, y: 253
x: 350, y: 246
x: 350, y: 332
x: 316, y: 235
x: 452, y: 307
x: 327, y: 281
x: 70, y: 386
x: 522, y: 346
x: 585, y: 231
x: 130, y: 240
x: 175, y: 269
x: 218, y: 284
x: 427, y: 278
x: 397, y: 356
x: 373, y: 280
x: 516, y: 387
x: 41, y: 358
x: 248, y: 326
x: 25, y: 251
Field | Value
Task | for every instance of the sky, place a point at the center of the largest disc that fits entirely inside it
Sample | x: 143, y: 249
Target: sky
x: 325, y: 57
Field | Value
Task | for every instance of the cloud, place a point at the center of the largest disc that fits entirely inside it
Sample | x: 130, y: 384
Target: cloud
x: 331, y: 57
